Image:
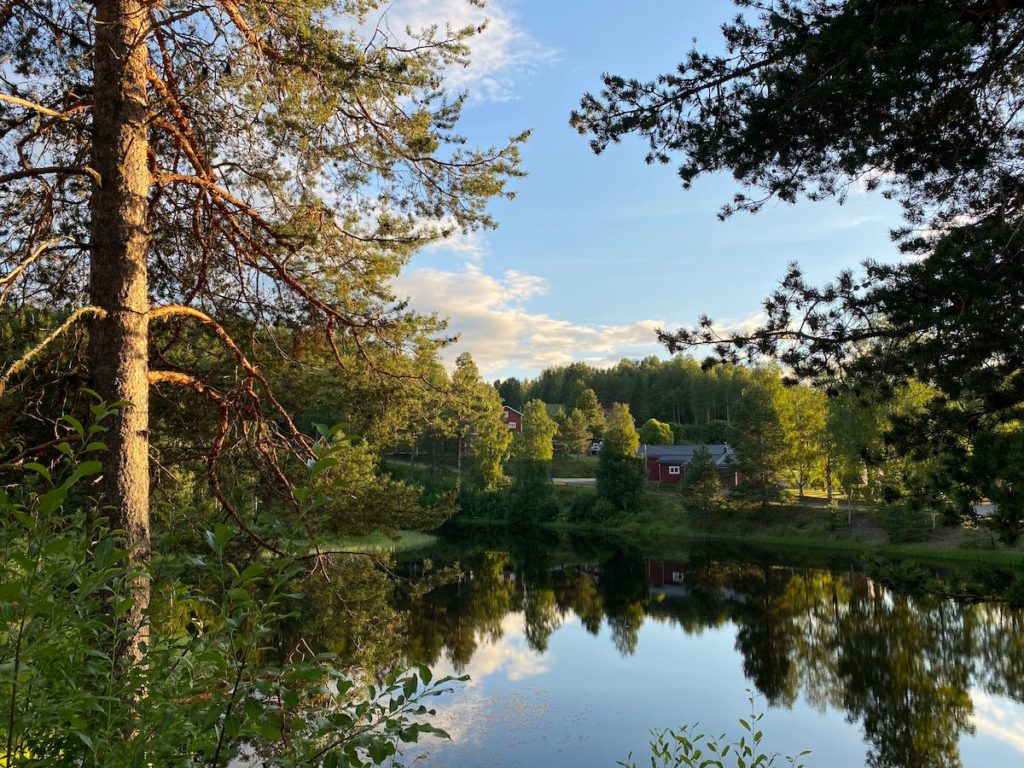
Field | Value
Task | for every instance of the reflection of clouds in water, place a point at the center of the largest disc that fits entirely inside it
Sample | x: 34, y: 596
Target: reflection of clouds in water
x: 999, y: 719
x: 510, y: 654
x: 468, y: 715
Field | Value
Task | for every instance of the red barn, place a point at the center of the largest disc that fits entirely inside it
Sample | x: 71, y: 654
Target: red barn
x: 668, y: 463
x: 513, y: 418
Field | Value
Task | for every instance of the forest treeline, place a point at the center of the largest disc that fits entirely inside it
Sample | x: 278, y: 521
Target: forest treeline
x: 784, y: 432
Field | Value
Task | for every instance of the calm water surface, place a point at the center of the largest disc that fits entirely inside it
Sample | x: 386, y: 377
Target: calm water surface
x: 576, y: 649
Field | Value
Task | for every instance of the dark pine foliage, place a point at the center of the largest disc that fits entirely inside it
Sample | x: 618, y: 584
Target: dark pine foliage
x: 922, y: 100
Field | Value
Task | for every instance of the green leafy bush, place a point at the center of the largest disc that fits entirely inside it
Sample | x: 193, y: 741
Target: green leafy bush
x: 689, y: 747
x: 904, y: 525
x: 202, y: 682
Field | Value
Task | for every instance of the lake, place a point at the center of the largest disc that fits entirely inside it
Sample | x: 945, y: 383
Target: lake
x: 575, y: 648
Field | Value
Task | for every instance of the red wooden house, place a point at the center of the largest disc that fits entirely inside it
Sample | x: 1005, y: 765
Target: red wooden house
x: 668, y: 463
x: 513, y: 418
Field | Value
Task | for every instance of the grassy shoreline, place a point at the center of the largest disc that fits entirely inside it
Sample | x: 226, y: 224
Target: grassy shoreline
x: 663, y: 522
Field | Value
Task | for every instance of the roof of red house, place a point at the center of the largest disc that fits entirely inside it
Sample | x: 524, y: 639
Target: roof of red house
x: 683, y: 454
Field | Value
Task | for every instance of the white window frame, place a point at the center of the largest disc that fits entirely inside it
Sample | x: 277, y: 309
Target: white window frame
x: 675, y: 470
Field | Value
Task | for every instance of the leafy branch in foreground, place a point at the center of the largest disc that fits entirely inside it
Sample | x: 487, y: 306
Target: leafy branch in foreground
x: 212, y: 682
x: 690, y: 747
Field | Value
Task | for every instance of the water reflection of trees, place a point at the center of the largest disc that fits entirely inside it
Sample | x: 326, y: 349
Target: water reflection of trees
x: 900, y: 665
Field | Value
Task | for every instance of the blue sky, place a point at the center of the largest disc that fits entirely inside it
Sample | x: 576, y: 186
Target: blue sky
x: 596, y: 251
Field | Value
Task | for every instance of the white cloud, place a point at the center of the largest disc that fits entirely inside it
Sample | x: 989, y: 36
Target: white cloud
x: 999, y: 719
x: 469, y: 245
x: 728, y: 328
x: 502, y: 54
x: 494, y: 325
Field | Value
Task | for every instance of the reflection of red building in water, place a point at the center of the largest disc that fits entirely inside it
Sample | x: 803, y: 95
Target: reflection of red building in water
x: 668, y: 463
x: 666, y: 578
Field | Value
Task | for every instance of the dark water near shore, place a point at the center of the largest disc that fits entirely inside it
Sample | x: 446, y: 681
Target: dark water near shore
x: 575, y: 648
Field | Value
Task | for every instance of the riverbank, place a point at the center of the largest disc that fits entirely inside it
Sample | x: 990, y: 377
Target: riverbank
x: 861, y: 532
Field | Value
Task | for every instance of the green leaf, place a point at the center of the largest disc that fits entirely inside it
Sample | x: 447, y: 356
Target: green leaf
x: 380, y: 751
x: 39, y: 469
x: 10, y: 591
x: 85, y: 469
x: 253, y: 708
x: 75, y: 424
x: 104, y: 553
x: 51, y: 500
x: 85, y: 740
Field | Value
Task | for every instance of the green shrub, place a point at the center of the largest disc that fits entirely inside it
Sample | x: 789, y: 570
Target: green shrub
x: 201, y: 681
x: 904, y: 525
x: 581, y: 508
x: 690, y: 747
x: 488, y: 505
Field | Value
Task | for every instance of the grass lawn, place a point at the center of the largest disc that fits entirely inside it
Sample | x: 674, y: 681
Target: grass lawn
x: 570, y: 466
x: 400, y: 541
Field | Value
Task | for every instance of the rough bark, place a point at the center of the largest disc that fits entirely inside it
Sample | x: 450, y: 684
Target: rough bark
x: 118, y: 281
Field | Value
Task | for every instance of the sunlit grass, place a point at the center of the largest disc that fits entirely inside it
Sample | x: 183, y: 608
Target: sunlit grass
x: 400, y: 541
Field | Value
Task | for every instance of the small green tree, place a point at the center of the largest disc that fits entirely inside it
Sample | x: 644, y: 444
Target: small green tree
x: 620, y: 472
x: 532, y: 451
x: 702, y: 489
x: 587, y: 402
x: 804, y: 413
x: 757, y: 434
x: 655, y: 432
x: 492, y: 440
x: 575, y: 432
x: 536, y: 440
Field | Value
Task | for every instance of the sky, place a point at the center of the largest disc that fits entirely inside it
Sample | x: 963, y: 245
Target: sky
x: 596, y: 252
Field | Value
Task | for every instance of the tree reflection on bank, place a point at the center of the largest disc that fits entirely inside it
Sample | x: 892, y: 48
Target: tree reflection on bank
x: 900, y: 665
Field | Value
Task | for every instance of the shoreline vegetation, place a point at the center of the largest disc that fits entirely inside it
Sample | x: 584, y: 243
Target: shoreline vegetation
x: 662, y: 518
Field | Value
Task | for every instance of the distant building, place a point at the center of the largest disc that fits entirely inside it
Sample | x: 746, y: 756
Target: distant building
x: 512, y: 418
x: 668, y: 463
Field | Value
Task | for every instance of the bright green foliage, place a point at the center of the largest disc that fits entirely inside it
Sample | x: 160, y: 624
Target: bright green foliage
x: 620, y: 472
x: 804, y: 420
x: 345, y: 493
x: 535, y: 441
x: 205, y: 687
x: 854, y: 428
x: 473, y: 415
x: 575, y: 432
x: 591, y: 408
x: 531, y: 497
x: 620, y: 435
x: 758, y: 437
x: 702, y: 487
x: 690, y: 747
x: 492, y: 440
x: 655, y: 432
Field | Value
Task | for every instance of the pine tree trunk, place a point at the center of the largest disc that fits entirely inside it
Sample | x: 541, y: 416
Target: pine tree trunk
x: 118, y: 351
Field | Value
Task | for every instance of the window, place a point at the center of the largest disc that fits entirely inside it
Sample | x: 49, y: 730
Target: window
x: 511, y: 425
x: 673, y: 470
